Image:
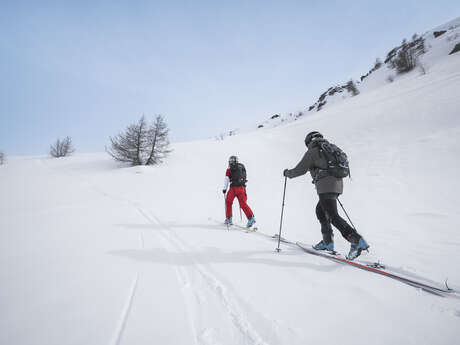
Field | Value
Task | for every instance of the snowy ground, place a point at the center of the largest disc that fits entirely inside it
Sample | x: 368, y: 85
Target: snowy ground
x: 91, y: 253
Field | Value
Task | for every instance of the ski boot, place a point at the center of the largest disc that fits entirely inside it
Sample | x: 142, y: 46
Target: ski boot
x: 228, y: 221
x: 356, y: 248
x: 327, y: 243
x: 251, y: 221
x: 323, y: 246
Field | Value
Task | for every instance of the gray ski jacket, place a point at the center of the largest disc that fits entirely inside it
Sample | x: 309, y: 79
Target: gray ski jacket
x: 312, y: 162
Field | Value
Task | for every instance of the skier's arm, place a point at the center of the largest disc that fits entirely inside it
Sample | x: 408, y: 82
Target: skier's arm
x: 226, y: 180
x: 226, y: 183
x: 302, y: 167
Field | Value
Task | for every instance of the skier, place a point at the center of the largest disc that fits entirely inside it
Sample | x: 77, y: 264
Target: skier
x: 236, y: 176
x: 328, y: 188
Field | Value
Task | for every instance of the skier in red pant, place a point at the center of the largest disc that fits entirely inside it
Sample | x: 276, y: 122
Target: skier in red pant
x: 236, y: 177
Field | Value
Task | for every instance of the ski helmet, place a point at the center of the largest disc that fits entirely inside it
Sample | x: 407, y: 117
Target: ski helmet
x: 311, y: 136
x: 232, y: 160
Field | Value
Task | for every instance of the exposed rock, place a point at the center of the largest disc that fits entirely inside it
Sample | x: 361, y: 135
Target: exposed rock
x: 320, y: 105
x: 322, y: 97
x: 439, y: 33
x: 377, y: 65
x: 456, y: 49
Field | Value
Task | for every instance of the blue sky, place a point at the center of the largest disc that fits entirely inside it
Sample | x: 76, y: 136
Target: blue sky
x: 88, y: 69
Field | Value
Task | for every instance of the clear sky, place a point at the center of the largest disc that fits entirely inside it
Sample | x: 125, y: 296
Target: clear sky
x: 88, y: 69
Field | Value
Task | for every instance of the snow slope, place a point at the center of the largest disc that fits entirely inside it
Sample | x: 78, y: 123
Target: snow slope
x: 437, y: 48
x: 94, y: 253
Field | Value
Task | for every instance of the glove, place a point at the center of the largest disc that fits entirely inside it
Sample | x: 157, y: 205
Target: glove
x: 285, y: 172
x: 224, y: 191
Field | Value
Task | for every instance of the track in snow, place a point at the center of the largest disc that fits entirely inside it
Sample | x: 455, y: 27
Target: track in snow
x: 125, y: 314
x: 204, y: 292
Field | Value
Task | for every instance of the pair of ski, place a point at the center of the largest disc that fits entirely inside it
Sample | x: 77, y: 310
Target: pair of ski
x: 238, y: 226
x: 375, y: 267
x: 311, y: 250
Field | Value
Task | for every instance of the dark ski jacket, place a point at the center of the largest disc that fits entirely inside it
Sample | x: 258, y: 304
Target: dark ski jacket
x: 312, y: 162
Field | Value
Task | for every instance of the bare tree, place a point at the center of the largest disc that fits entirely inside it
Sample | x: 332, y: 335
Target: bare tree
x: 127, y: 147
x: 351, y: 87
x: 141, y: 144
x: 405, y: 60
x: 2, y: 158
x: 407, y: 56
x: 158, y: 141
x: 62, y: 148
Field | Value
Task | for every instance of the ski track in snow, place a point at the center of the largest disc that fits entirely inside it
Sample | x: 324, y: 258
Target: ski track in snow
x: 125, y: 315
x: 194, y: 298
x: 123, y: 320
x: 141, y: 240
x: 187, y: 277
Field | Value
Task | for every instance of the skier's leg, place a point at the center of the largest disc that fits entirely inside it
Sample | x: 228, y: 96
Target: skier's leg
x: 358, y: 244
x: 229, y: 202
x: 320, y: 213
x: 326, y: 229
x: 242, y: 198
x: 328, y: 203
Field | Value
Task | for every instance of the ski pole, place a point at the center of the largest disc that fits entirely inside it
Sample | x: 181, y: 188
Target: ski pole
x: 343, y: 208
x: 282, y: 211
x: 241, y: 217
x: 225, y: 208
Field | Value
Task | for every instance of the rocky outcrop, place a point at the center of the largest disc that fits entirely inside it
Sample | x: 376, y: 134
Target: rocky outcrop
x: 456, y: 49
x: 436, y: 34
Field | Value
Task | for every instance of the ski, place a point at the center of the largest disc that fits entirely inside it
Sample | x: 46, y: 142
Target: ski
x: 375, y: 268
x: 252, y: 229
x: 282, y: 239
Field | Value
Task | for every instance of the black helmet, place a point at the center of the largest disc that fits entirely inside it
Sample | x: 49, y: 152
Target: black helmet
x: 311, y: 136
x: 232, y: 160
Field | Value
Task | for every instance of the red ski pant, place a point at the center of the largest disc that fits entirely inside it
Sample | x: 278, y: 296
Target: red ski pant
x: 240, y: 194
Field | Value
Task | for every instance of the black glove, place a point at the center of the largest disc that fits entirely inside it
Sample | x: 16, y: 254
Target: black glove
x: 224, y: 191
x: 285, y: 172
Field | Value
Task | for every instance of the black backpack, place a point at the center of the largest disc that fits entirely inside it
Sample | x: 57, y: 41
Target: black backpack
x: 238, y: 172
x: 337, y: 160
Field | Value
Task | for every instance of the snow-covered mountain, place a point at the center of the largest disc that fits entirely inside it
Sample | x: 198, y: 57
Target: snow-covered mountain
x: 437, y: 43
x: 95, y: 253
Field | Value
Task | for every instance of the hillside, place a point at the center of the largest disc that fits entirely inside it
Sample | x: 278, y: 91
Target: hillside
x: 433, y: 47
x: 96, y: 253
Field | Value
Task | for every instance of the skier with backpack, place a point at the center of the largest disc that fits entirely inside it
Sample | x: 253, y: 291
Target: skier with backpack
x: 328, y: 165
x: 236, y: 177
